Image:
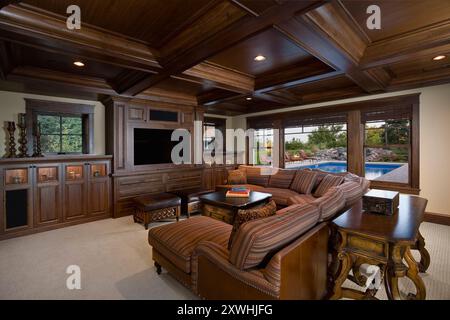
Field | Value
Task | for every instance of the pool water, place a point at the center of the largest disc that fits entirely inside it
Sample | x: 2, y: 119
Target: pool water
x: 373, y: 170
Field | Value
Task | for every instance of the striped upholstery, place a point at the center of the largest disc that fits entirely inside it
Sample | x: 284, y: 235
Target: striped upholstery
x: 176, y: 241
x: 320, y: 175
x: 328, y: 181
x: 219, y: 256
x: 304, y: 181
x: 301, y: 199
x: 243, y: 216
x: 330, y: 203
x: 258, y: 238
x: 281, y: 178
x: 352, y: 191
x: 280, y: 196
x: 258, y: 176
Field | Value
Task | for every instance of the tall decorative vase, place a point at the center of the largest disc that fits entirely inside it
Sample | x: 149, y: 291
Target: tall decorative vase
x: 23, y: 149
x: 37, y: 141
x: 11, y: 148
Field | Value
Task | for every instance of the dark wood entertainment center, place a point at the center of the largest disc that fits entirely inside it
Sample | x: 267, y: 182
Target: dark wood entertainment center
x: 129, y: 180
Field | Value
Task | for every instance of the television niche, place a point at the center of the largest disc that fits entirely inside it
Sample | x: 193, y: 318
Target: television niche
x: 153, y: 146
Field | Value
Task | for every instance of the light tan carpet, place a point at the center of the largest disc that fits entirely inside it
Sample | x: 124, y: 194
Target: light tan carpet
x: 115, y: 261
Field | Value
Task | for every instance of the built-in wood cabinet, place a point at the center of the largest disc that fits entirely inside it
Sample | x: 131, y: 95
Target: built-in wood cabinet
x: 39, y: 194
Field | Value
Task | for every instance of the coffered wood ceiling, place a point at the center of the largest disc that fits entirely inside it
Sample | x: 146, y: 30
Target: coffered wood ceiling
x: 201, y: 52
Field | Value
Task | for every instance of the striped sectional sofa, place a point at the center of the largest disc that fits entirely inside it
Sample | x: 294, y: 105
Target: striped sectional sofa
x: 284, y: 256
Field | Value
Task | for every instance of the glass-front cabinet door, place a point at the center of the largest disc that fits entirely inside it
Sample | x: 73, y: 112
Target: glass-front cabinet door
x: 47, y: 194
x: 16, y: 197
x: 75, y: 191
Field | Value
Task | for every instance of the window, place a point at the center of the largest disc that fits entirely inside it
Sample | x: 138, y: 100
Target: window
x: 61, y: 134
x: 262, y: 147
x: 321, y: 147
x: 65, y: 128
x: 387, y: 150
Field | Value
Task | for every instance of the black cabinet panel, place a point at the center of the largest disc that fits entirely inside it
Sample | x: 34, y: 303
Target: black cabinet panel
x: 16, y: 206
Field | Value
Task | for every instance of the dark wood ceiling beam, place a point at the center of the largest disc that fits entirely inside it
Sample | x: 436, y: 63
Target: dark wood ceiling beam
x: 27, y: 27
x: 214, y: 97
x: 281, y: 99
x: 426, y: 78
x: 6, y: 61
x: 237, y: 32
x: 431, y: 41
x: 221, y: 78
x: 323, y: 33
x: 4, y: 3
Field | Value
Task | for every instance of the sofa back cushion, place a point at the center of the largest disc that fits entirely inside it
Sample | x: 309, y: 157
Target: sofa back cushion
x: 257, y: 240
x: 352, y: 191
x: 329, y: 181
x: 258, y: 176
x: 304, y: 181
x: 330, y: 203
x: 237, y: 177
x: 243, y: 216
x: 281, y: 178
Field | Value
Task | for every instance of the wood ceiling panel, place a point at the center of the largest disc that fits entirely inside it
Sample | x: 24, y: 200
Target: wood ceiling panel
x: 28, y: 56
x: 147, y: 20
x: 398, y: 17
x: 278, y: 50
x: 424, y: 64
x: 184, y: 87
x: 257, y: 6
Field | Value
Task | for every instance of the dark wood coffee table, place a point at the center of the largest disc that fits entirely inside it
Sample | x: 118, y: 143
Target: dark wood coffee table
x: 216, y: 205
x: 385, y: 241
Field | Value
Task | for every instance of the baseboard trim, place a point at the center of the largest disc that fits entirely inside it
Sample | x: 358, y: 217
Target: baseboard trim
x: 438, y: 218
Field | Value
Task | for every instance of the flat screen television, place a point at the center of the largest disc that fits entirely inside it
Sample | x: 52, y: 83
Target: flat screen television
x: 153, y: 146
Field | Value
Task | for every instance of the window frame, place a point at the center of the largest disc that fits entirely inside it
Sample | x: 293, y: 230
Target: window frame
x: 62, y: 109
x: 354, y: 112
x: 218, y: 124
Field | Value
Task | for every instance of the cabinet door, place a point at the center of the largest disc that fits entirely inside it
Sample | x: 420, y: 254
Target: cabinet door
x: 75, y: 192
x: 16, y: 197
x: 47, y: 195
x: 99, y: 188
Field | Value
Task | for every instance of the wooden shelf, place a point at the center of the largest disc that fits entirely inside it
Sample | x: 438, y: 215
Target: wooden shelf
x: 47, y: 174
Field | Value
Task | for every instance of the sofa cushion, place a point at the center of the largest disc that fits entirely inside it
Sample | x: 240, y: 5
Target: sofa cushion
x: 304, y: 181
x: 280, y: 196
x: 176, y: 241
x: 251, y: 214
x: 301, y: 199
x: 281, y: 178
x: 328, y: 181
x: 320, y: 175
x: 236, y: 177
x: 258, y: 176
x: 257, y: 239
x: 352, y: 191
x: 330, y: 203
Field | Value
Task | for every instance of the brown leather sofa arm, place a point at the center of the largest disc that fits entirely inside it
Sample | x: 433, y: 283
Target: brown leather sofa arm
x: 214, y: 277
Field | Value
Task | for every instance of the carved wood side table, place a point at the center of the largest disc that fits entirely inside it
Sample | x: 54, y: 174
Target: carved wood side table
x: 384, y: 241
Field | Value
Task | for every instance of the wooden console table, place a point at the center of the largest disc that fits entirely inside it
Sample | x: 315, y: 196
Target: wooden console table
x: 385, y: 241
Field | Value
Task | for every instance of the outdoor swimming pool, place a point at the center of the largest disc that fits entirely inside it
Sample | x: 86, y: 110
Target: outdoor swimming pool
x: 373, y: 170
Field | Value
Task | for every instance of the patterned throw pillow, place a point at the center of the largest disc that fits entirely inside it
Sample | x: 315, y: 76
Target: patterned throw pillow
x: 237, y: 177
x: 304, y: 181
x: 282, y: 178
x: 251, y: 214
x: 327, y: 182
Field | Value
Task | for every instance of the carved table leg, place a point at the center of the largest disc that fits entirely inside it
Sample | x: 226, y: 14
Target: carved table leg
x: 344, y: 268
x: 396, y: 269
x: 413, y: 274
x: 424, y: 255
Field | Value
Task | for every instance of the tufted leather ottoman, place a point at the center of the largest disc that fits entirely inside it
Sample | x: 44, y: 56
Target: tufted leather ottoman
x: 154, y: 207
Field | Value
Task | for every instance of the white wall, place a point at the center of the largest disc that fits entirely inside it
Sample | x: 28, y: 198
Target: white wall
x: 12, y: 103
x: 434, y: 140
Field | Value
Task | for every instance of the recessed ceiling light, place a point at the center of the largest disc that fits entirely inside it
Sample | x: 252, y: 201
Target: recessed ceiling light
x: 260, y: 58
x: 79, y: 64
x: 440, y: 57
x: 248, y: 98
